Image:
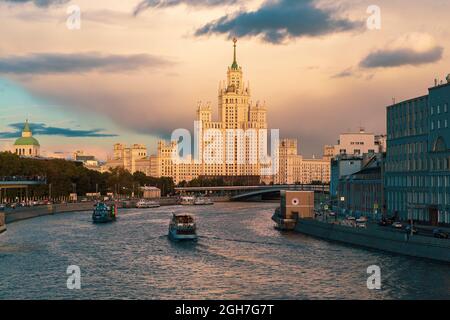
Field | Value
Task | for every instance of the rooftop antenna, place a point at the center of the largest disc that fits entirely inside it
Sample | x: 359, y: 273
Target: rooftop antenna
x: 393, y: 100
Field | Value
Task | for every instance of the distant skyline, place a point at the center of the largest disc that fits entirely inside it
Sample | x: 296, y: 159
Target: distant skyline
x: 136, y: 69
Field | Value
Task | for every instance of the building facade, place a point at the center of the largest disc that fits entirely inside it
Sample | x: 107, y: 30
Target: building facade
x: 294, y: 169
x: 127, y: 157
x: 362, y: 193
x: 359, y: 143
x: 417, y: 178
x: 351, y: 154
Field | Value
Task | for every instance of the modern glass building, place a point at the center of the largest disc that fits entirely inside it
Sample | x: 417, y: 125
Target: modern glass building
x: 417, y: 169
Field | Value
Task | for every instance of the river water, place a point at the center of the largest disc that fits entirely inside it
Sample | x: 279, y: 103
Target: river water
x: 239, y: 255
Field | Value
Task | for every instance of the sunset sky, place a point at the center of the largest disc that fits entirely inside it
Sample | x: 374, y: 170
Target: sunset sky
x: 136, y: 69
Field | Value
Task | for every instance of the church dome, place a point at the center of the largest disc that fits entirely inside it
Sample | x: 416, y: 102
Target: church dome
x: 27, y: 137
x: 28, y: 141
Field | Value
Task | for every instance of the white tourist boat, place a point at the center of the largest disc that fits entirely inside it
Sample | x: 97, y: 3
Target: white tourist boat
x: 145, y: 204
x: 203, y: 201
x: 182, y: 227
x: 187, y: 201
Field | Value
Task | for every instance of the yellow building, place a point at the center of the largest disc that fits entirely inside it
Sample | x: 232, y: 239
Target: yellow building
x: 127, y: 157
x: 293, y: 168
x: 231, y: 146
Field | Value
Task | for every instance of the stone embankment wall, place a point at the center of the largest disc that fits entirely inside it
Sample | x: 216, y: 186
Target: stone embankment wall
x: 13, y: 215
x: 379, y: 238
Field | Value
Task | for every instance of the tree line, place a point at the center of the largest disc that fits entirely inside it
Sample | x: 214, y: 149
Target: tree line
x: 64, y: 177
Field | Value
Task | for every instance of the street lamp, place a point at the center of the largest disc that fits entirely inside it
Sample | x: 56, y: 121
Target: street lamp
x: 342, y: 204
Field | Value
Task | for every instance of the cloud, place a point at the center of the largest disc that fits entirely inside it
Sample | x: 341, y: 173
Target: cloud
x: 344, y: 73
x: 47, y: 63
x: 400, y: 57
x: 146, y: 4
x: 410, y: 49
x: 277, y: 21
x: 42, y: 129
x: 38, y: 3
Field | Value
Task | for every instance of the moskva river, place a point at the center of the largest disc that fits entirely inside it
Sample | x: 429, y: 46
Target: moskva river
x: 239, y: 255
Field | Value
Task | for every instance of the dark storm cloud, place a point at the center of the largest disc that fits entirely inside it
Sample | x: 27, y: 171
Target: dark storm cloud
x: 400, y: 57
x: 146, y: 4
x: 44, y: 130
x: 47, y: 63
x: 38, y: 3
x: 277, y: 21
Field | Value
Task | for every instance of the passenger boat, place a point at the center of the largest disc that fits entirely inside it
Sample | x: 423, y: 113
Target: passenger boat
x: 145, y: 204
x: 187, y: 201
x: 104, y: 213
x: 182, y: 227
x: 203, y: 201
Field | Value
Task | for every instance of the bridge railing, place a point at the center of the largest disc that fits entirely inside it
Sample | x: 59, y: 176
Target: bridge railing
x: 312, y: 187
x: 42, y: 179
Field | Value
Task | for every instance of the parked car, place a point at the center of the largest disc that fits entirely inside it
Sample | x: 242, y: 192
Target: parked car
x: 332, y: 214
x: 438, y: 233
x: 397, y: 225
x: 2, y: 207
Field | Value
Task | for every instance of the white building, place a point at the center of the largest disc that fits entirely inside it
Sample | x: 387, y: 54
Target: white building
x: 359, y: 143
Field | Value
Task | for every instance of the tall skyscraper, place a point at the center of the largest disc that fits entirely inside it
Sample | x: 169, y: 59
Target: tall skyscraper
x: 235, y: 145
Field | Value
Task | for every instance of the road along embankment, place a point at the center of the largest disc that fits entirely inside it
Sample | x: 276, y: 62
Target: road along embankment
x: 14, y: 215
x: 378, y: 238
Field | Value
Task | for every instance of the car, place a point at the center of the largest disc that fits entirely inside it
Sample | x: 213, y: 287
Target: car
x: 410, y: 230
x: 332, y: 214
x: 361, y: 225
x: 438, y: 233
x: 397, y: 225
x: 2, y: 207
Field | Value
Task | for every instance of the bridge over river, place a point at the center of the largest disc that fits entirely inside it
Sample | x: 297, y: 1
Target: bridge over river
x: 241, y: 193
x: 17, y: 182
x: 20, y: 182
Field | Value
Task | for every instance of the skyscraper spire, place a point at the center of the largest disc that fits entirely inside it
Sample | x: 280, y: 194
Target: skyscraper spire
x: 234, y: 65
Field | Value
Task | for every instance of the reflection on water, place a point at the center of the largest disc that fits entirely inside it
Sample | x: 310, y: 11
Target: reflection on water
x: 239, y: 255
